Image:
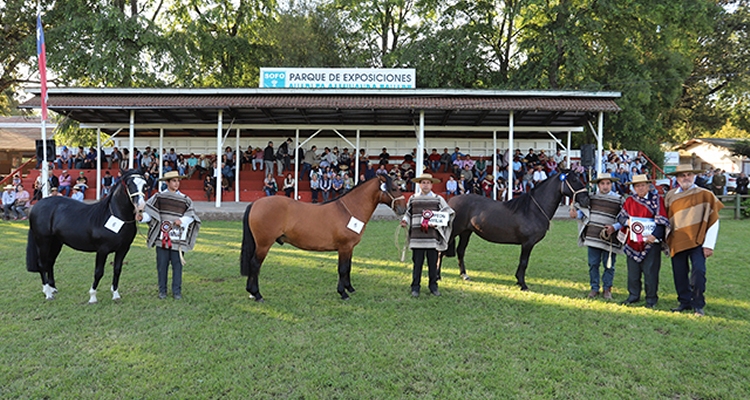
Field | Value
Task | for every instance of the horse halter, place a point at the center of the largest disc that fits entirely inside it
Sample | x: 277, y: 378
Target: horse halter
x: 132, y: 195
x: 393, y: 199
x: 574, y: 192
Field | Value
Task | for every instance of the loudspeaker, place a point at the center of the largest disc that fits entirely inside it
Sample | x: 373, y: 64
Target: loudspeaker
x: 51, y: 150
x: 588, y: 155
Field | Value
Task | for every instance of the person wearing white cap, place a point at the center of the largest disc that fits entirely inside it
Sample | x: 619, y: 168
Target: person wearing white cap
x: 426, y: 238
x: 9, y: 199
x: 597, y: 225
x: 694, y: 217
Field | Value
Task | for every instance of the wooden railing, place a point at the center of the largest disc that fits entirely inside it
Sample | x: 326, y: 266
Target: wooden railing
x: 734, y: 201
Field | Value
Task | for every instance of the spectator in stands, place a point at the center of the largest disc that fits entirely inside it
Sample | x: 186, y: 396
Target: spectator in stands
x: 446, y: 161
x: 79, y: 158
x: 227, y: 167
x: 325, y: 187
x: 106, y: 183
x: 558, y: 158
x: 550, y: 166
x: 517, y: 188
x: 531, y: 158
x: 451, y: 186
x: 742, y: 182
x: 337, y: 185
x: 345, y: 159
x: 269, y: 157
x: 473, y: 185
x: 288, y: 186
x: 65, y: 158
x: 82, y: 182
x: 90, y: 161
x: 384, y: 157
x: 269, y: 184
x: 315, y: 187
x: 38, y: 187
x: 469, y: 161
x: 125, y: 159
x: 501, y: 185
x: 65, y: 182
x: 172, y: 157
x: 77, y: 193
x: 192, y: 164
x: 230, y: 158
x: 528, y: 179
x: 247, y: 157
x: 480, y: 169
x: 457, y: 155
x: 9, y: 200
x: 487, y: 184
x: 257, y: 159
x: 315, y: 170
x: 381, y: 170
x: 209, y: 187
x: 283, y: 156
x: 203, y: 167
x: 146, y: 161
x: 114, y: 158
x: 348, y: 182
x: 166, y: 168
x: 311, y: 157
x: 466, y: 173
x: 517, y: 168
x: 22, y: 202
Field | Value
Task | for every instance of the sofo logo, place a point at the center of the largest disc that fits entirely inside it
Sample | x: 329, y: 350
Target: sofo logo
x: 274, y: 79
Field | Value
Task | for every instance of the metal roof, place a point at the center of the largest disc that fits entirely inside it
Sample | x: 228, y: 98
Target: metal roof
x: 450, y: 113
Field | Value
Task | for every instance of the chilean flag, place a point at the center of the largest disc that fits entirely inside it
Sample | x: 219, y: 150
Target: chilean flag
x: 42, y: 54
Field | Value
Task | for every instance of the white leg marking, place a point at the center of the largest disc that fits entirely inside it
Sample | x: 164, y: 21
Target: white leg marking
x: 49, y: 292
x: 115, y: 294
x: 92, y: 299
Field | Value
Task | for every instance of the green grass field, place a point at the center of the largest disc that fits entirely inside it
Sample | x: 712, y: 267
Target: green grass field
x: 483, y: 338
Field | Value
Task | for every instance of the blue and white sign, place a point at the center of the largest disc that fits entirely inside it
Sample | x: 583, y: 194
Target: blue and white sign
x: 338, y: 78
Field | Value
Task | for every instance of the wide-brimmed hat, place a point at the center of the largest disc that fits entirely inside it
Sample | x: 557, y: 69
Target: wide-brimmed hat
x: 642, y: 178
x: 682, y: 168
x: 79, y: 186
x: 425, y: 176
x: 171, y: 175
x: 344, y: 167
x: 605, y: 176
x: 9, y: 187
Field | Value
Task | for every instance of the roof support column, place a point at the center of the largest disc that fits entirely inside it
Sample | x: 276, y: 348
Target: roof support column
x: 237, y: 167
x: 219, y: 129
x: 599, y: 143
x: 161, y: 157
x: 99, y: 164
x: 131, y: 144
x: 494, y: 165
x: 419, y: 169
x: 297, y: 164
x: 511, y: 152
x: 356, y: 160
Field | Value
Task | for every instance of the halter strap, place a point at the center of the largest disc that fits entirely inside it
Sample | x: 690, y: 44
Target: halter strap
x: 393, y: 199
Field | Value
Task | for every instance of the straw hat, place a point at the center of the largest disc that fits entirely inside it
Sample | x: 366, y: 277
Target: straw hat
x: 344, y: 167
x: 171, y: 175
x: 642, y: 178
x: 9, y: 187
x: 79, y: 186
x: 605, y: 176
x: 682, y: 168
x: 425, y: 176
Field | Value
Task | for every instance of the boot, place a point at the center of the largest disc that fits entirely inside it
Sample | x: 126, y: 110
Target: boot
x: 593, y: 293
x: 607, y: 294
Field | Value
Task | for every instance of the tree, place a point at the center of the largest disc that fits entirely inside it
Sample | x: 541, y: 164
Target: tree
x: 741, y: 148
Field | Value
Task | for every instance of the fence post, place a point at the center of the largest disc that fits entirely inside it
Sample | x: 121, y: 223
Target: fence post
x: 737, y: 203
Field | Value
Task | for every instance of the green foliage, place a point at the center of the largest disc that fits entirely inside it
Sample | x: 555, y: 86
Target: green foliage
x: 741, y: 148
x: 482, y: 339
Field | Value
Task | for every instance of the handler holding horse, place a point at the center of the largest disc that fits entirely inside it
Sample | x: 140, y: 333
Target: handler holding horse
x: 426, y: 238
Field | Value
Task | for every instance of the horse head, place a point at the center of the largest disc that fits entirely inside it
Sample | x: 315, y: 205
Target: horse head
x: 135, y: 184
x: 391, y: 194
x: 573, y: 187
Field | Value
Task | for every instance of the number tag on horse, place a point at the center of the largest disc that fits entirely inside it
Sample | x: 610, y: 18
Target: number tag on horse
x: 355, y: 225
x: 114, y: 224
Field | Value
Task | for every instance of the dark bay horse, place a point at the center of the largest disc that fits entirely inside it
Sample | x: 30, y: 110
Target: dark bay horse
x: 523, y: 220
x: 334, y: 226
x: 55, y: 221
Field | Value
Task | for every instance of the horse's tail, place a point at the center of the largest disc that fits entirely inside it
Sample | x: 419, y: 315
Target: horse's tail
x: 451, y: 250
x: 32, y: 254
x: 248, y: 244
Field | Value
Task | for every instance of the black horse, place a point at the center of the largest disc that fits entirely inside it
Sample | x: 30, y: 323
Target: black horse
x: 56, y: 220
x: 523, y: 220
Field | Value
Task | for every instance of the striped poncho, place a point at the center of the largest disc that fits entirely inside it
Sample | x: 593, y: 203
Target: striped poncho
x: 165, y: 207
x: 690, y: 213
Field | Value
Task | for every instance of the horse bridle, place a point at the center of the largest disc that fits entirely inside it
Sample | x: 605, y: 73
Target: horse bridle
x: 130, y: 196
x: 393, y: 199
x: 562, y: 192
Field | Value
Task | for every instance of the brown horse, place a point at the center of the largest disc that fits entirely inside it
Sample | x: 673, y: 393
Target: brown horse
x: 334, y: 226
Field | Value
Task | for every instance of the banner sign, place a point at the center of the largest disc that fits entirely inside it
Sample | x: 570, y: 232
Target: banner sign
x: 338, y: 78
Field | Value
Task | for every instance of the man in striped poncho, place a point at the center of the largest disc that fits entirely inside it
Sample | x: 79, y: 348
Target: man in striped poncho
x: 694, y: 219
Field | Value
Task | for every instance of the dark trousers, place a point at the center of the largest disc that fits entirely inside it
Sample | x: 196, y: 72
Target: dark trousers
x: 418, y: 256
x: 163, y: 258
x: 690, y: 290
x: 649, y: 267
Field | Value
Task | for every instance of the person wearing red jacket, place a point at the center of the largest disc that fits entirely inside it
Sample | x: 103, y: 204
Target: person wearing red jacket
x: 644, y: 220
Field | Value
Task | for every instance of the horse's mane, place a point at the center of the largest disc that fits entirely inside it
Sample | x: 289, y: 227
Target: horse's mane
x: 523, y: 200
x: 388, y: 181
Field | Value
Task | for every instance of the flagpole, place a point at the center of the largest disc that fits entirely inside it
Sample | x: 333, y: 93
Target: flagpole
x: 41, y: 53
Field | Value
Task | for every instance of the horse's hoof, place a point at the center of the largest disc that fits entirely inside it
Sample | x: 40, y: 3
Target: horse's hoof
x: 260, y: 300
x: 465, y: 277
x: 93, y: 302
x: 350, y: 289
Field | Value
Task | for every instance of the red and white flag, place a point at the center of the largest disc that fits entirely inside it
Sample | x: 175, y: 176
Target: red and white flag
x: 42, y: 54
